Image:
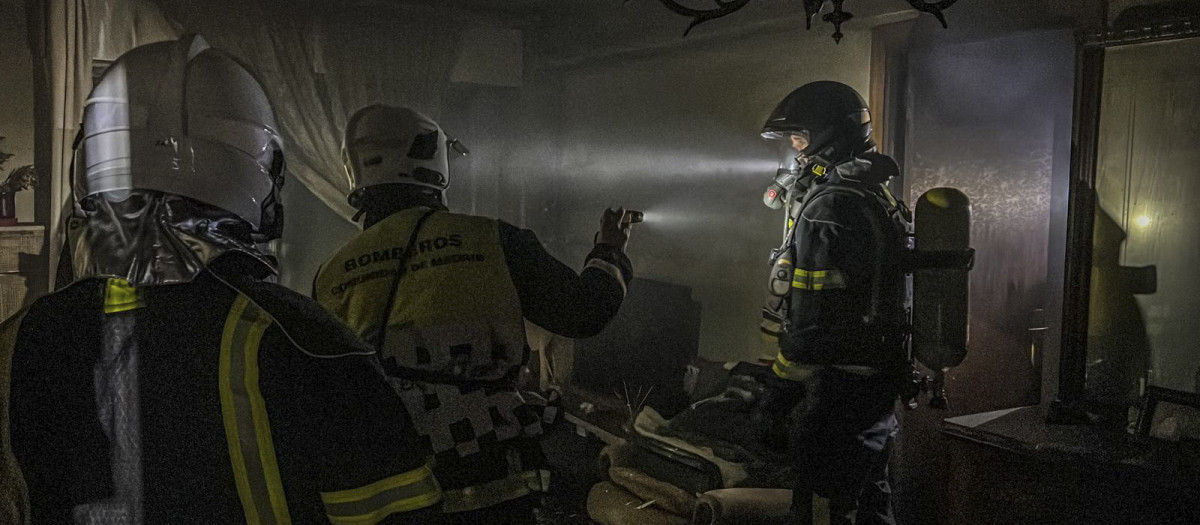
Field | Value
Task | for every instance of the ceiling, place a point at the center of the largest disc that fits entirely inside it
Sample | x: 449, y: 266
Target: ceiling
x: 560, y: 10
x: 563, y: 30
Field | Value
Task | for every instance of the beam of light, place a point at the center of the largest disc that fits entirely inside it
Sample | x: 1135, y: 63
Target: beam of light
x: 651, y: 216
x: 649, y: 163
x: 663, y: 220
x: 1142, y: 221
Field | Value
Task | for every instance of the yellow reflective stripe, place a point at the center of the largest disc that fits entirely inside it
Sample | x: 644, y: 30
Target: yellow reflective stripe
x: 783, y: 360
x: 404, y: 505
x: 788, y: 370
x: 228, y: 415
x: 367, y: 505
x: 817, y: 279
x: 800, y: 279
x: 121, y: 296
x: 243, y: 411
x: 408, y: 478
x: 262, y: 424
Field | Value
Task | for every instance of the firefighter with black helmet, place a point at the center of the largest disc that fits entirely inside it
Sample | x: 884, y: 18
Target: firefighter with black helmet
x: 836, y: 305
x: 171, y: 383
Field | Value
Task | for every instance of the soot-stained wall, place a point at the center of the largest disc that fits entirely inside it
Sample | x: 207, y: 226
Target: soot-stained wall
x: 991, y: 115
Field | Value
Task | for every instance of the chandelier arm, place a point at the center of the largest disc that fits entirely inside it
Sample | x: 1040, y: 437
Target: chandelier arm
x: 699, y: 16
x: 811, y: 9
x: 933, y: 8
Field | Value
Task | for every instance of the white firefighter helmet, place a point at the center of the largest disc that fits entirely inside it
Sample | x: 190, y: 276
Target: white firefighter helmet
x: 183, y: 118
x: 394, y: 145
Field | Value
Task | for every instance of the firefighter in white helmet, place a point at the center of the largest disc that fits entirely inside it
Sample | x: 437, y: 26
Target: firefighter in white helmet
x: 442, y: 296
x: 171, y: 384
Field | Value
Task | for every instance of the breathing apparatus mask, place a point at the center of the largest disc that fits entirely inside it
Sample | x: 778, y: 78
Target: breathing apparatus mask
x: 792, y: 178
x: 789, y: 184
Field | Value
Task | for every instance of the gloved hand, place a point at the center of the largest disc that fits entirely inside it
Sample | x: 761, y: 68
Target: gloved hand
x: 614, y: 230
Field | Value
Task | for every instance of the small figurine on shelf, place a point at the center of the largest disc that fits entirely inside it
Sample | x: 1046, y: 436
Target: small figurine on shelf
x: 19, y: 179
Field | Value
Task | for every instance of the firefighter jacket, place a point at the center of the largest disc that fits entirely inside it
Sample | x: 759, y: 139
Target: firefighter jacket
x: 846, y: 306
x: 443, y: 296
x: 221, y: 400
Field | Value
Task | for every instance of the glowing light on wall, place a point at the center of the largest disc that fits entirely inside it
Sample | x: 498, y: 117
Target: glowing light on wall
x: 1142, y: 221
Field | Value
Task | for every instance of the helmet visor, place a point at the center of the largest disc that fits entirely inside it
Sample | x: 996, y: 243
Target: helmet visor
x: 786, y: 135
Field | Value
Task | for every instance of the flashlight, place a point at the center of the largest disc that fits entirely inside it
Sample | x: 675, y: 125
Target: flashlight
x: 632, y: 217
x: 458, y: 147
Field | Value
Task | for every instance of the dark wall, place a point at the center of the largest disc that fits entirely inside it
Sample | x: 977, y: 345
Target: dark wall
x: 991, y: 116
x: 23, y: 275
x: 646, y: 349
x: 16, y: 99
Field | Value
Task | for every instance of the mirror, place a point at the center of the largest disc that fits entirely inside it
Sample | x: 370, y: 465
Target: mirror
x: 1142, y: 325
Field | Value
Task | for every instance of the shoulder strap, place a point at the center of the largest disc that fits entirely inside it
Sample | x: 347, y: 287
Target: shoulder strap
x: 403, y: 269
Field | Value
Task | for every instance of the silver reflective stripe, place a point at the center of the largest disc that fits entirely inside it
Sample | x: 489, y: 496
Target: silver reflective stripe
x: 610, y: 269
x: 116, y: 383
x: 495, y: 492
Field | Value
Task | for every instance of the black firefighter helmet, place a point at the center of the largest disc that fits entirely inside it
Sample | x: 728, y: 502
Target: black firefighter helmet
x: 831, y: 115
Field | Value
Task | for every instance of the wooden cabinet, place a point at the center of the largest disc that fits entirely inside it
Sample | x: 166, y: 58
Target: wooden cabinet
x: 23, y: 273
x: 1010, y: 466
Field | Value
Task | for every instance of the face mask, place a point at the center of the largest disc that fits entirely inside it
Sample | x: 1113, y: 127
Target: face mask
x: 777, y: 192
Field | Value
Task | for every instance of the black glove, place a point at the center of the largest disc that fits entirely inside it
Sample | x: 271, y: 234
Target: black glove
x: 614, y: 230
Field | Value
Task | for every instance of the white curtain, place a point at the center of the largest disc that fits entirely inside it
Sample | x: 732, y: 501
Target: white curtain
x: 319, y: 64
x: 116, y: 26
x: 62, y: 78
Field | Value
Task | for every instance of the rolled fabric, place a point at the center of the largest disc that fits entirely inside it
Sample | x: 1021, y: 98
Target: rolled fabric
x: 609, y: 504
x: 621, y: 455
x: 666, y: 496
x: 741, y: 506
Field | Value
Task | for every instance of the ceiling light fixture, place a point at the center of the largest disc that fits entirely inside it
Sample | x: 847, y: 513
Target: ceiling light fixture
x: 837, y: 16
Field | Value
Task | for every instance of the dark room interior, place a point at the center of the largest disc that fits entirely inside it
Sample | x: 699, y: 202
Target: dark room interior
x: 173, y: 350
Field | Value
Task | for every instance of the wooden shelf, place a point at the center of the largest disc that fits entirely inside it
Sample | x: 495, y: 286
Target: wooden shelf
x: 23, y: 228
